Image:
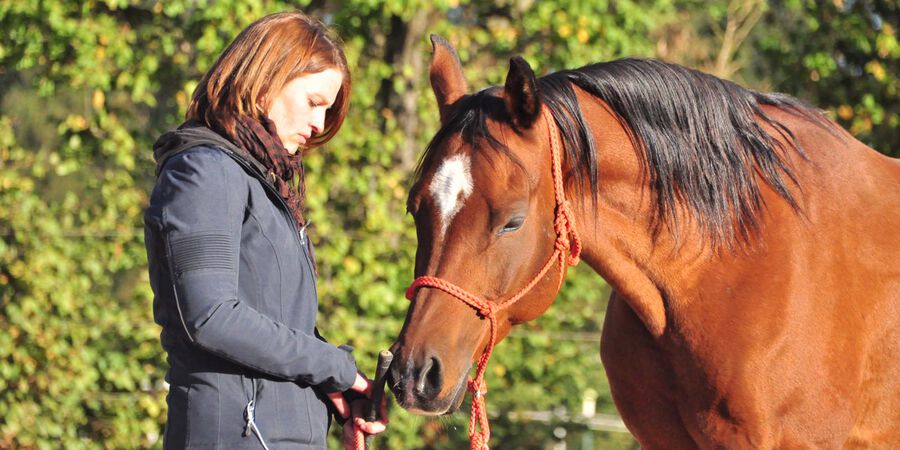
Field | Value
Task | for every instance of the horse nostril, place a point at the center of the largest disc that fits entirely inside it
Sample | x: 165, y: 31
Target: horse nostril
x: 429, y: 377
x: 435, y: 375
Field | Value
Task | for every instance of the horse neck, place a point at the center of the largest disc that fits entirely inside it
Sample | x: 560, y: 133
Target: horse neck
x: 661, y: 274
x: 617, y: 231
x: 614, y: 231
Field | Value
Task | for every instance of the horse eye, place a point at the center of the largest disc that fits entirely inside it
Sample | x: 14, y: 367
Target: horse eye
x: 514, y: 224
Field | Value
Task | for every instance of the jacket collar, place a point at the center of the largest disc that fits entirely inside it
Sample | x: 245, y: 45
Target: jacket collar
x: 193, y: 134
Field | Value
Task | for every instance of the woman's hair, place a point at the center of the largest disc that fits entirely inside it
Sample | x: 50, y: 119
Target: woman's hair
x: 255, y: 68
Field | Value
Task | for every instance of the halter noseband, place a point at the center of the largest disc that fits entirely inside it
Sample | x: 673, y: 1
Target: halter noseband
x: 567, y: 251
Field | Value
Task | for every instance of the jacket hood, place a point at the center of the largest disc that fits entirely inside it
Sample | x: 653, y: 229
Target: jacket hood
x: 194, y: 134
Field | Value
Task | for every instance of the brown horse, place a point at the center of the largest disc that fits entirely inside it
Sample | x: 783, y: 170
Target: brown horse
x: 753, y: 248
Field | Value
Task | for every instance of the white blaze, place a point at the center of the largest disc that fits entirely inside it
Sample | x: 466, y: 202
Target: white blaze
x: 450, y: 187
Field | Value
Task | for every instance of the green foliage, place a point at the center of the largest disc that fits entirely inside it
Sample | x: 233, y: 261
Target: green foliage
x: 87, y: 86
x: 842, y: 55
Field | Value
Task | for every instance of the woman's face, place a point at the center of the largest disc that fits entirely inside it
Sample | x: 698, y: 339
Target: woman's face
x: 299, y: 110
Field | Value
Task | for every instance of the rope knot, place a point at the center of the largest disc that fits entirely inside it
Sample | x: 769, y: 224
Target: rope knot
x: 486, y: 310
x: 477, y: 388
x: 567, y: 240
x: 564, y: 217
x: 560, y: 223
x: 562, y: 244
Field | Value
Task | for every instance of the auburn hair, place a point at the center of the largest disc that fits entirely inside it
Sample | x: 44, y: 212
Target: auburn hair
x: 257, y: 65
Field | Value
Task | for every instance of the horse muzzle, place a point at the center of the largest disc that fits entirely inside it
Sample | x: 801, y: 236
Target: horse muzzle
x: 420, y: 384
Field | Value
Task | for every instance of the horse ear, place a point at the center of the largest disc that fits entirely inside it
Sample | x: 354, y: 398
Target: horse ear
x: 522, y: 100
x: 447, y: 79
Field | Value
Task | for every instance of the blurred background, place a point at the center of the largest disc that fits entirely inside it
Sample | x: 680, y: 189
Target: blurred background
x: 87, y: 86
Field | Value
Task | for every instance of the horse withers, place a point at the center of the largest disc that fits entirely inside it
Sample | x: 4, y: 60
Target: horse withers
x: 752, y: 245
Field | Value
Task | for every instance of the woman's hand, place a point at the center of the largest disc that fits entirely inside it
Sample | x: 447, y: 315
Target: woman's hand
x: 362, y: 385
x: 356, y: 411
x: 357, y: 419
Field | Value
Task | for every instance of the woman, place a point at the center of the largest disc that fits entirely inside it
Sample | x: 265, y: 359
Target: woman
x: 231, y: 265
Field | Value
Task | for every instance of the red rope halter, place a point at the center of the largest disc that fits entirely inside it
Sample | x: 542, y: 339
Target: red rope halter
x: 567, y: 251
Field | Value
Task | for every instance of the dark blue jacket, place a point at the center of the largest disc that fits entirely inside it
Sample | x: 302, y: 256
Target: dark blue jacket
x: 235, y: 294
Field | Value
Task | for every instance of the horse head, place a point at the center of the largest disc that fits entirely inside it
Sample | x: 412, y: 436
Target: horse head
x: 484, y: 206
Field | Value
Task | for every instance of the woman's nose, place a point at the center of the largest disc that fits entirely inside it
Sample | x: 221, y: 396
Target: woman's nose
x: 318, y: 123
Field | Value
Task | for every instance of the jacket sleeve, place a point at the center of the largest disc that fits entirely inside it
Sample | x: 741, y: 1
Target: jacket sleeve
x: 203, y: 195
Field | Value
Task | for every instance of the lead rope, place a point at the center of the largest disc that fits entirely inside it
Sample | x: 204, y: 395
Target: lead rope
x: 567, y: 250
x: 359, y: 437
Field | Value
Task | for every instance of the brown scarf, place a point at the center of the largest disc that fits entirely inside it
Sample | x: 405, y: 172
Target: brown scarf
x: 260, y: 139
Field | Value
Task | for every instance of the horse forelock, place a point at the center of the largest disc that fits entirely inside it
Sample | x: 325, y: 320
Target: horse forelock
x: 468, y: 131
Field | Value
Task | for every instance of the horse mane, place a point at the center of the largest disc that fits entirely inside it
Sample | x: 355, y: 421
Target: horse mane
x: 699, y: 136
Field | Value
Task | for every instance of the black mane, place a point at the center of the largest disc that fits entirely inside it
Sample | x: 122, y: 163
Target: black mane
x: 702, y: 146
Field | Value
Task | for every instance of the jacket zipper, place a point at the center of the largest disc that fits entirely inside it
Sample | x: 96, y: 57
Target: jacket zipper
x: 249, y: 412
x: 285, y: 211
x: 173, y: 277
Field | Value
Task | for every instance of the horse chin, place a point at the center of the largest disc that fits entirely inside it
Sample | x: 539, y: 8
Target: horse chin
x: 457, y: 397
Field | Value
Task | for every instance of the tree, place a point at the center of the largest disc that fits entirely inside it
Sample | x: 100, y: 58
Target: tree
x: 841, y: 55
